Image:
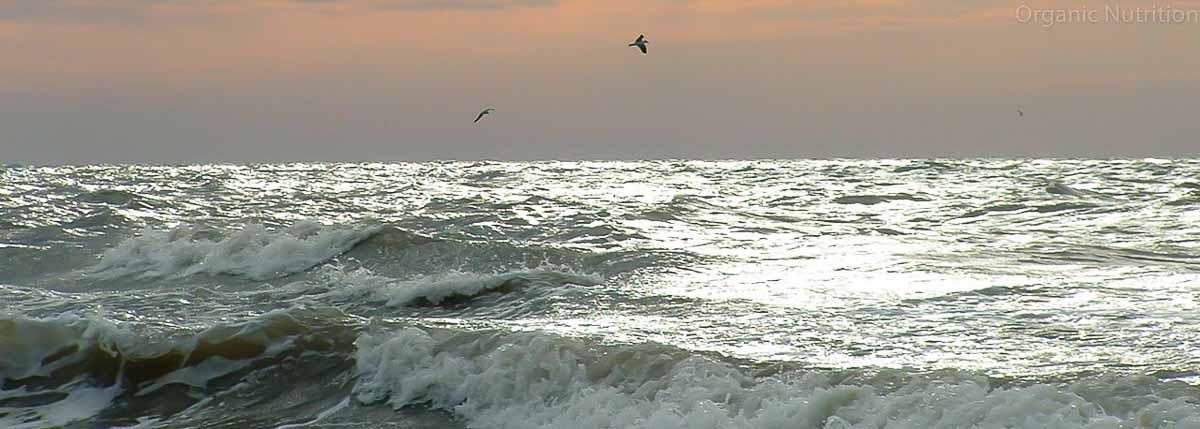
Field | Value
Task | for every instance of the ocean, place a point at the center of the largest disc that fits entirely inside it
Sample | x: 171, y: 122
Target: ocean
x: 969, y: 293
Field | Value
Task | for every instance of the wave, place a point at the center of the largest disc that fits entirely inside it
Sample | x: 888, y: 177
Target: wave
x: 1192, y: 196
x: 1058, y: 207
x: 1110, y: 255
x: 1058, y: 188
x: 43, y: 352
x: 102, y: 218
x: 601, y: 236
x: 447, y: 289
x: 69, y: 368
x: 923, y: 165
x: 117, y: 198
x: 299, y: 365
x: 257, y: 253
x: 527, y: 379
x: 401, y: 254
x: 876, y: 199
x: 694, y: 209
x: 253, y: 252
x: 994, y: 208
x: 1028, y: 208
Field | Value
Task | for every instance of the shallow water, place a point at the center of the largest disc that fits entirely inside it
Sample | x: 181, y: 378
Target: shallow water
x: 657, y: 294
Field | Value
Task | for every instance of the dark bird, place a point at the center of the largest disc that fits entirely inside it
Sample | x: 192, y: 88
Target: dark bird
x: 640, y: 43
x: 1020, y: 114
x: 484, y: 113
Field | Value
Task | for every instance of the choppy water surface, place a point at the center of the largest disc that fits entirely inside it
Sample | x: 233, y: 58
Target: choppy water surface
x: 657, y: 294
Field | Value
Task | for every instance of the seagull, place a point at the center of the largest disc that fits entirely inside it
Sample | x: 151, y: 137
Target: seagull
x: 640, y: 43
x: 1020, y: 113
x: 484, y: 113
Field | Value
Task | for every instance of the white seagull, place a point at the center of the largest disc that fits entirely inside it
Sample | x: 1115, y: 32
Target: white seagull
x: 483, y: 113
x: 640, y: 43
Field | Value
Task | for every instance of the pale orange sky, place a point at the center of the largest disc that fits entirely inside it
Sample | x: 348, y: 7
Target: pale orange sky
x: 191, y: 80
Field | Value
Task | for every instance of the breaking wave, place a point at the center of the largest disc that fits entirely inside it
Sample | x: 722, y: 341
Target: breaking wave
x: 768, y: 294
x: 257, y: 252
x: 446, y: 289
x: 254, y: 252
x: 528, y: 379
x: 59, y: 370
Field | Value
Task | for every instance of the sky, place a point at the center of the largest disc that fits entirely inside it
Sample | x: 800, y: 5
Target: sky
x: 175, y: 81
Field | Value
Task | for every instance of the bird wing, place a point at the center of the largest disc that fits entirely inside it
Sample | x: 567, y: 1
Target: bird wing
x: 477, y: 118
x: 643, y: 48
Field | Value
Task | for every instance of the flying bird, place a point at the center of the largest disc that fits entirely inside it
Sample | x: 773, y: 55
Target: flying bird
x: 1020, y: 114
x: 484, y: 113
x: 640, y: 43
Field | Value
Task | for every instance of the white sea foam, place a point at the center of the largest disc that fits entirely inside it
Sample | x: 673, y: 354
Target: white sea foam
x: 81, y: 403
x: 531, y: 380
x: 254, y: 251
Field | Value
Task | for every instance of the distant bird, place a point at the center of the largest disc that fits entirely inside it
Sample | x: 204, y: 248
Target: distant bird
x: 484, y: 113
x: 640, y: 43
x: 1020, y: 114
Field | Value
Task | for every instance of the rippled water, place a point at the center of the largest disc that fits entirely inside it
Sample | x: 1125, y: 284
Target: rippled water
x: 838, y: 293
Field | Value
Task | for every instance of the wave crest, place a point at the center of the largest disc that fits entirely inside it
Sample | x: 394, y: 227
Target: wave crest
x: 253, y: 252
x: 59, y: 370
x: 529, y: 379
x: 448, y: 289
